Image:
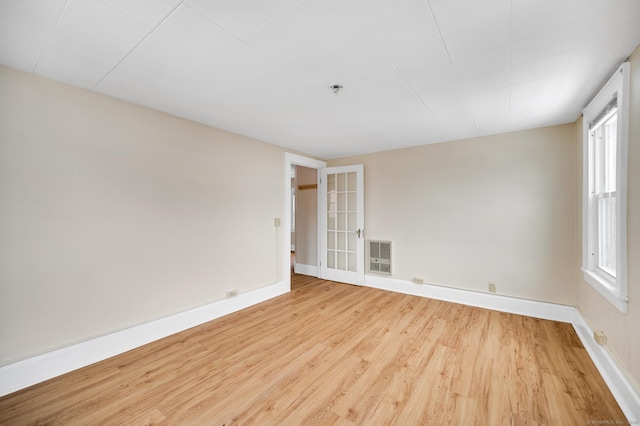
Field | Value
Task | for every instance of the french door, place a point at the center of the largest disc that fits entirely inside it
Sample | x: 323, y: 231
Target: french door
x: 341, y: 220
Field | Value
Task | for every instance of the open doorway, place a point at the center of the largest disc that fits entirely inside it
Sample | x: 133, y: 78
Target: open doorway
x: 291, y: 161
x: 304, y: 220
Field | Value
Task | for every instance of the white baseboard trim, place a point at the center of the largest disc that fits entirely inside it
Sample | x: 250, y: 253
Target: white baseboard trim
x: 513, y: 305
x: 311, y: 270
x: 25, y: 373
x: 627, y: 396
x: 22, y: 374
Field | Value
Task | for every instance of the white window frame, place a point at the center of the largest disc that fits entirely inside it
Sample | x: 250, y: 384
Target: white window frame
x: 614, y: 289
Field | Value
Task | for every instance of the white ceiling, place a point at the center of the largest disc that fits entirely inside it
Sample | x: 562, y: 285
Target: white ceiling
x: 414, y: 72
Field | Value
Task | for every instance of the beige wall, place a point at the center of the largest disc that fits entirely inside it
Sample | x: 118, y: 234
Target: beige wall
x: 497, y: 209
x: 306, y: 217
x: 622, y: 330
x: 112, y: 214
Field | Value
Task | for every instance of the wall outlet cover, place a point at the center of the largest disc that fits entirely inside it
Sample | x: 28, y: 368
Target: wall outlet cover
x: 600, y: 337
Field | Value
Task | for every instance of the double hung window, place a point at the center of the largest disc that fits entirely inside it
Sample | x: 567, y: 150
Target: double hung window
x: 604, y: 189
x: 603, y: 138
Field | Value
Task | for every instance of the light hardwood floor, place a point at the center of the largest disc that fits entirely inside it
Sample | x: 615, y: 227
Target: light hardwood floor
x: 330, y: 353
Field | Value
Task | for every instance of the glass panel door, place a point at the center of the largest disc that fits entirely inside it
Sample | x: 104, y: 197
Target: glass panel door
x: 342, y: 216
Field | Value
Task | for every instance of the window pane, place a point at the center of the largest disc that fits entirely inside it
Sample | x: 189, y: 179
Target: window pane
x: 352, y: 262
x: 351, y: 181
x: 331, y: 240
x: 607, y: 234
x: 331, y: 259
x: 342, y: 241
x: 351, y: 222
x: 342, y: 184
x: 611, y: 127
x: 331, y: 221
x: 331, y: 182
x: 352, y: 241
x: 342, y: 261
x: 342, y: 202
x: 331, y: 201
x: 351, y: 203
x: 342, y: 222
x: 605, y: 155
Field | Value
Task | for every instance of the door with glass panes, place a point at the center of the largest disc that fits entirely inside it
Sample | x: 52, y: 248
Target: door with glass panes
x: 341, y: 214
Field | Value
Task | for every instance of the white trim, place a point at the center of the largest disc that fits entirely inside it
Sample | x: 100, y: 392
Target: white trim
x: 30, y: 371
x: 513, y: 305
x: 627, y: 396
x: 311, y: 270
x: 291, y: 160
x: 623, y: 390
x: 606, y: 289
x: 293, y: 247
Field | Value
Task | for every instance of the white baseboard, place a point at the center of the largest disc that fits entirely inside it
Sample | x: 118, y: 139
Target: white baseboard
x: 311, y: 270
x: 627, y: 396
x: 513, y: 305
x: 22, y: 374
x: 25, y: 373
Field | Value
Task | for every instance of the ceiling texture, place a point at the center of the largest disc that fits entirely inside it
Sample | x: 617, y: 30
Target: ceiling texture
x: 413, y: 72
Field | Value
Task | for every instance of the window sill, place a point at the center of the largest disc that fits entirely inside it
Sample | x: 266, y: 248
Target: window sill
x: 604, y: 287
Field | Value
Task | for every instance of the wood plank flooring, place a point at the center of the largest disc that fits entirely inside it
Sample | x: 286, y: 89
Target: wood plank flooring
x: 330, y: 353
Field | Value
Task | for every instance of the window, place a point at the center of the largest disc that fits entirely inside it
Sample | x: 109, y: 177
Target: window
x: 605, y: 142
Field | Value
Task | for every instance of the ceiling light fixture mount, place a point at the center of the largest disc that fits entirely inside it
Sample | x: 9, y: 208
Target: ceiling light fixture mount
x: 336, y: 88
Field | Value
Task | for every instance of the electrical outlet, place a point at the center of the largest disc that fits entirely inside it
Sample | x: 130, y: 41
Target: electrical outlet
x: 418, y: 280
x: 492, y: 288
x: 232, y: 293
x: 276, y: 222
x: 600, y: 337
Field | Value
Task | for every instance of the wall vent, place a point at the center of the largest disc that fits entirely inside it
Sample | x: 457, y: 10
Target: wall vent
x: 380, y: 257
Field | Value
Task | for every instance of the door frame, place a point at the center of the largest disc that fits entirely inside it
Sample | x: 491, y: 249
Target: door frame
x: 289, y: 161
